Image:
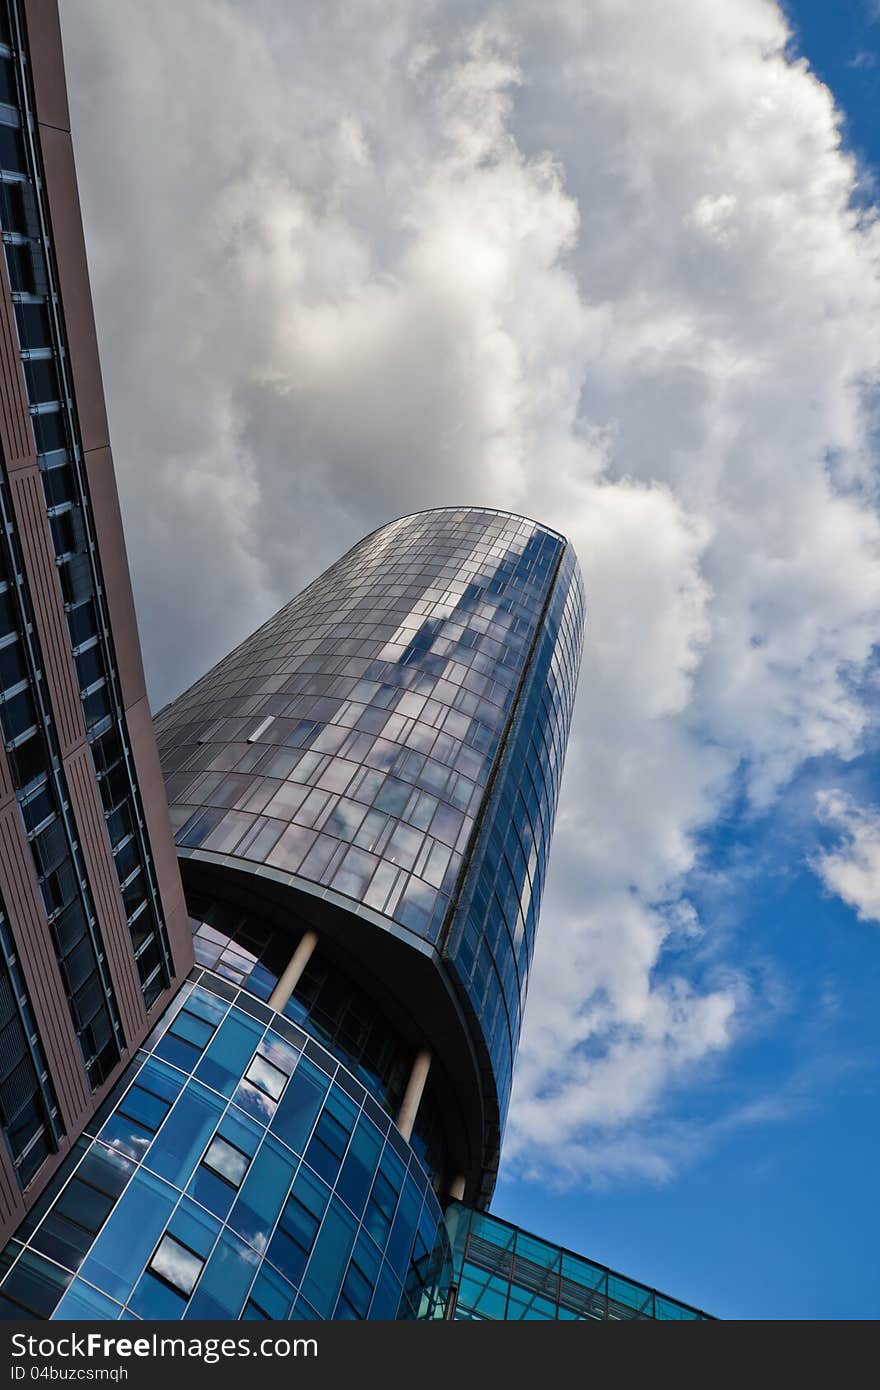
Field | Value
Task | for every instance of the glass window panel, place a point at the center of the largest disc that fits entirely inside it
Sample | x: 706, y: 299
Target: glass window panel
x: 290, y: 849
x: 226, y: 1058
x: 266, y: 1077
x: 226, y: 1280
x: 181, y: 1141
x: 62, y: 1240
x: 241, y: 1132
x: 355, y: 872
x: 179, y: 1053
x: 254, y: 1102
x: 36, y: 1284
x: 272, y: 1295
x: 360, y: 1166
x: 84, y: 1204
x: 404, y: 1229
x: 281, y: 1053
x: 205, y: 1004
x: 147, y: 1109
x: 176, y: 1264
x: 83, y: 1302
x: 386, y: 1299
x: 263, y: 1193
x: 299, y: 1108
x: 288, y: 1255
x: 226, y: 1160
x: 527, y: 1304
x: 329, y: 1259
x: 210, y: 1191
x: 155, y: 1299
x: 133, y: 1227
x: 191, y: 1029
x: 194, y: 1228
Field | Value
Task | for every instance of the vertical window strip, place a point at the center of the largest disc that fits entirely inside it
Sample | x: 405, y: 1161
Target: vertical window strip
x: 56, y: 433
x: 29, y: 1112
x: 44, y: 804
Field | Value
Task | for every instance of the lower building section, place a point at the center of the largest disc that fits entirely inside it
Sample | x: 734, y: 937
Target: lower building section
x: 238, y: 1170
x: 504, y: 1274
x: 248, y: 1165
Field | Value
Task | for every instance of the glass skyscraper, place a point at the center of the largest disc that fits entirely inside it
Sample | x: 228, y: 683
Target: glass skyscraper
x: 363, y: 794
x: 386, y: 753
x: 307, y: 1122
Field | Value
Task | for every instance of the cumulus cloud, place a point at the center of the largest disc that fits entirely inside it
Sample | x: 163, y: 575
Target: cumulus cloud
x: 599, y: 263
x: 852, y: 868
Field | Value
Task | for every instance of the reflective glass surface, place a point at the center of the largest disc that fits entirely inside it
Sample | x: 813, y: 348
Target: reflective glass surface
x: 492, y: 933
x: 237, y: 1170
x: 327, y: 1002
x: 502, y: 1273
x: 374, y: 734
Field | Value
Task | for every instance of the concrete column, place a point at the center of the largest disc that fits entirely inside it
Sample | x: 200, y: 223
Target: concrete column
x: 409, y: 1106
x: 292, y: 971
x: 456, y: 1188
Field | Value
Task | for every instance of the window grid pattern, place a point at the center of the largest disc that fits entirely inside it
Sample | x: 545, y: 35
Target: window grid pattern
x: 492, y: 934
x: 28, y: 1108
x: 236, y: 1171
x: 28, y: 731
x: 352, y: 740
x: 24, y: 222
x: 502, y: 1273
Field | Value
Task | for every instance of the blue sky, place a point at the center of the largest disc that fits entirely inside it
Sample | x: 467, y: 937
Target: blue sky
x: 776, y: 1216
x: 607, y: 265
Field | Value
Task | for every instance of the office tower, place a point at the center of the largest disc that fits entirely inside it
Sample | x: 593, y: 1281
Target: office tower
x: 93, y: 928
x: 386, y: 752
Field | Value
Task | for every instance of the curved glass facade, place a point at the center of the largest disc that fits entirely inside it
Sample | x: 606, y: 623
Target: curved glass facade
x: 395, y: 736
x: 491, y: 936
x: 238, y: 1171
x: 326, y: 1002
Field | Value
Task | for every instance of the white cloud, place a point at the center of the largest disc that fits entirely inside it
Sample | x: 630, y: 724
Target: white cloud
x: 598, y: 263
x: 852, y: 869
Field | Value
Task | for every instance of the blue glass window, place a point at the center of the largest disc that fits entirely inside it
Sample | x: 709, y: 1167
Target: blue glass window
x: 226, y: 1280
x: 271, y: 1296
x: 359, y: 1166
x: 177, y: 1265
x: 267, y: 1077
x: 83, y: 1302
x: 300, y: 1105
x: 182, y: 1139
x: 263, y: 1192
x: 226, y: 1160
x: 35, y: 1286
x: 329, y: 1259
x: 132, y: 1230
x: 226, y: 1058
x: 154, y: 1298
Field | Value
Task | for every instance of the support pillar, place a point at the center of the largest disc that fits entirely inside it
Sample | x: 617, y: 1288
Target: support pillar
x: 293, y: 970
x: 415, y: 1087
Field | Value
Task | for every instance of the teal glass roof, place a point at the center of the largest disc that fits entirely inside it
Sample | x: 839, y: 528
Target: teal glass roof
x: 505, y: 1274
